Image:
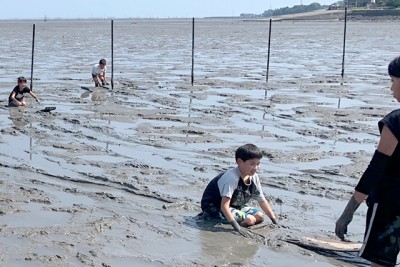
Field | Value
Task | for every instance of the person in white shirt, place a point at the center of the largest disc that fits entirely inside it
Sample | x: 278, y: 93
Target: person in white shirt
x: 227, y: 196
x: 99, y: 73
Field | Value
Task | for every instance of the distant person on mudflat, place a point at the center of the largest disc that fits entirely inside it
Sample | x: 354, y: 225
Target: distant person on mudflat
x: 16, y: 97
x: 227, y: 195
x: 380, y: 186
x: 99, y: 73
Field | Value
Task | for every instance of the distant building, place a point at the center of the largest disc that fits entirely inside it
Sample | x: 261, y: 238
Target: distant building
x: 248, y: 15
x: 351, y: 4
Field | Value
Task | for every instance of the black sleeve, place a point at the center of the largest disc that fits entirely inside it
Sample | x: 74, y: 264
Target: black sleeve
x: 374, y: 173
x: 27, y: 89
x: 392, y: 121
x: 211, y: 193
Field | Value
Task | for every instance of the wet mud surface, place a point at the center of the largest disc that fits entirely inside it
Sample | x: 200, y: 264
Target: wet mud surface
x: 114, y: 177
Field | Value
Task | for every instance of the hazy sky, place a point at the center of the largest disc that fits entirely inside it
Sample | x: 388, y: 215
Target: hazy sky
x: 28, y: 9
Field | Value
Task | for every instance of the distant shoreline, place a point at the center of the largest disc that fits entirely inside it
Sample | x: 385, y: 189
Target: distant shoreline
x: 356, y: 14
x: 322, y: 14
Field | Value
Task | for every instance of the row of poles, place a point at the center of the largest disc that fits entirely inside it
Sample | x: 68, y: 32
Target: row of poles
x: 344, y: 44
x: 112, y: 54
x: 193, y: 42
x: 269, y: 47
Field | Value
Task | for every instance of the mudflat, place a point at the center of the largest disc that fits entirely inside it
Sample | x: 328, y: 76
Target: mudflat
x: 113, y: 177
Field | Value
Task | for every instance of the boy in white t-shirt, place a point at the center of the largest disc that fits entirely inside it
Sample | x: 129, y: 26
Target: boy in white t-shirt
x: 99, y: 73
x: 227, y: 195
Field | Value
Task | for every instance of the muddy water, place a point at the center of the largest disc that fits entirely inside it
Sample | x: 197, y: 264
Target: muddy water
x: 114, y: 177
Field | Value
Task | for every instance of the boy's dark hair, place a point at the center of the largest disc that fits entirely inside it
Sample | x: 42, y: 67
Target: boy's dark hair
x: 102, y: 61
x: 22, y: 79
x: 248, y: 151
x: 394, y: 67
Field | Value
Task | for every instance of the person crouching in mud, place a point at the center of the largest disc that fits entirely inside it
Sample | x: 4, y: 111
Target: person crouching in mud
x: 381, y: 184
x: 227, y: 195
x: 16, y: 97
x: 99, y: 73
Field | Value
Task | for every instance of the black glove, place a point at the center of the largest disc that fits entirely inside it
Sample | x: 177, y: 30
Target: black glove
x: 242, y: 231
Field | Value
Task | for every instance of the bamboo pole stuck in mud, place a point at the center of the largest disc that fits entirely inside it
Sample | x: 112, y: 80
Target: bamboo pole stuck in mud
x: 112, y: 54
x: 269, y: 49
x: 33, y: 50
x: 192, y: 73
x: 344, y: 40
x: 344, y: 49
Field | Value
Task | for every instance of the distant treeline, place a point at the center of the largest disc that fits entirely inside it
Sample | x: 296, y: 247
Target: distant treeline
x: 385, y: 4
x: 293, y: 10
x: 389, y: 3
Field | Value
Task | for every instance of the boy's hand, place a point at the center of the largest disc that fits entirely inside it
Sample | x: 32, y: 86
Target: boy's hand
x: 278, y: 224
x: 242, y: 231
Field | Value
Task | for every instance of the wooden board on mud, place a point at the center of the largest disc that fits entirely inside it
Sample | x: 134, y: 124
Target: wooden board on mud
x: 92, y: 88
x: 326, y: 244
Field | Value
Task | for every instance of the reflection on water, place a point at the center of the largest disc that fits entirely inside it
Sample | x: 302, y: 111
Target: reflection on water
x: 19, y: 116
x: 189, y: 113
x: 36, y: 217
x: 231, y: 249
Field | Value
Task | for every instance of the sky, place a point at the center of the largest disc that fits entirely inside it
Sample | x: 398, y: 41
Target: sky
x: 75, y: 9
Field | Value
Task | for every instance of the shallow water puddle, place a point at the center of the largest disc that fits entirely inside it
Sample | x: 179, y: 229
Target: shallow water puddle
x: 36, y: 215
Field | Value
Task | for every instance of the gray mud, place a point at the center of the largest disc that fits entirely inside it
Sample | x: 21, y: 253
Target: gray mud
x: 114, y: 177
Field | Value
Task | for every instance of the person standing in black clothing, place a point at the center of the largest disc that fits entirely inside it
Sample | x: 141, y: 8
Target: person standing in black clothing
x: 380, y: 186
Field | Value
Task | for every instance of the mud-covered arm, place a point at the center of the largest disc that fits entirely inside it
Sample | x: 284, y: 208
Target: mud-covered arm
x: 104, y: 75
x: 34, y: 96
x: 12, y: 96
x: 369, y: 180
x: 226, y: 209
x: 264, y: 204
x: 347, y: 215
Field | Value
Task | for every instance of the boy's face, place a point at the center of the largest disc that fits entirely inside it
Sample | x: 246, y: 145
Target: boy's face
x: 396, y: 87
x: 248, y: 167
x: 21, y: 83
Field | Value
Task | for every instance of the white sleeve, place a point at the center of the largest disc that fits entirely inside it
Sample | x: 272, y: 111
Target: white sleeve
x: 94, y: 70
x: 257, y: 183
x: 228, y: 182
